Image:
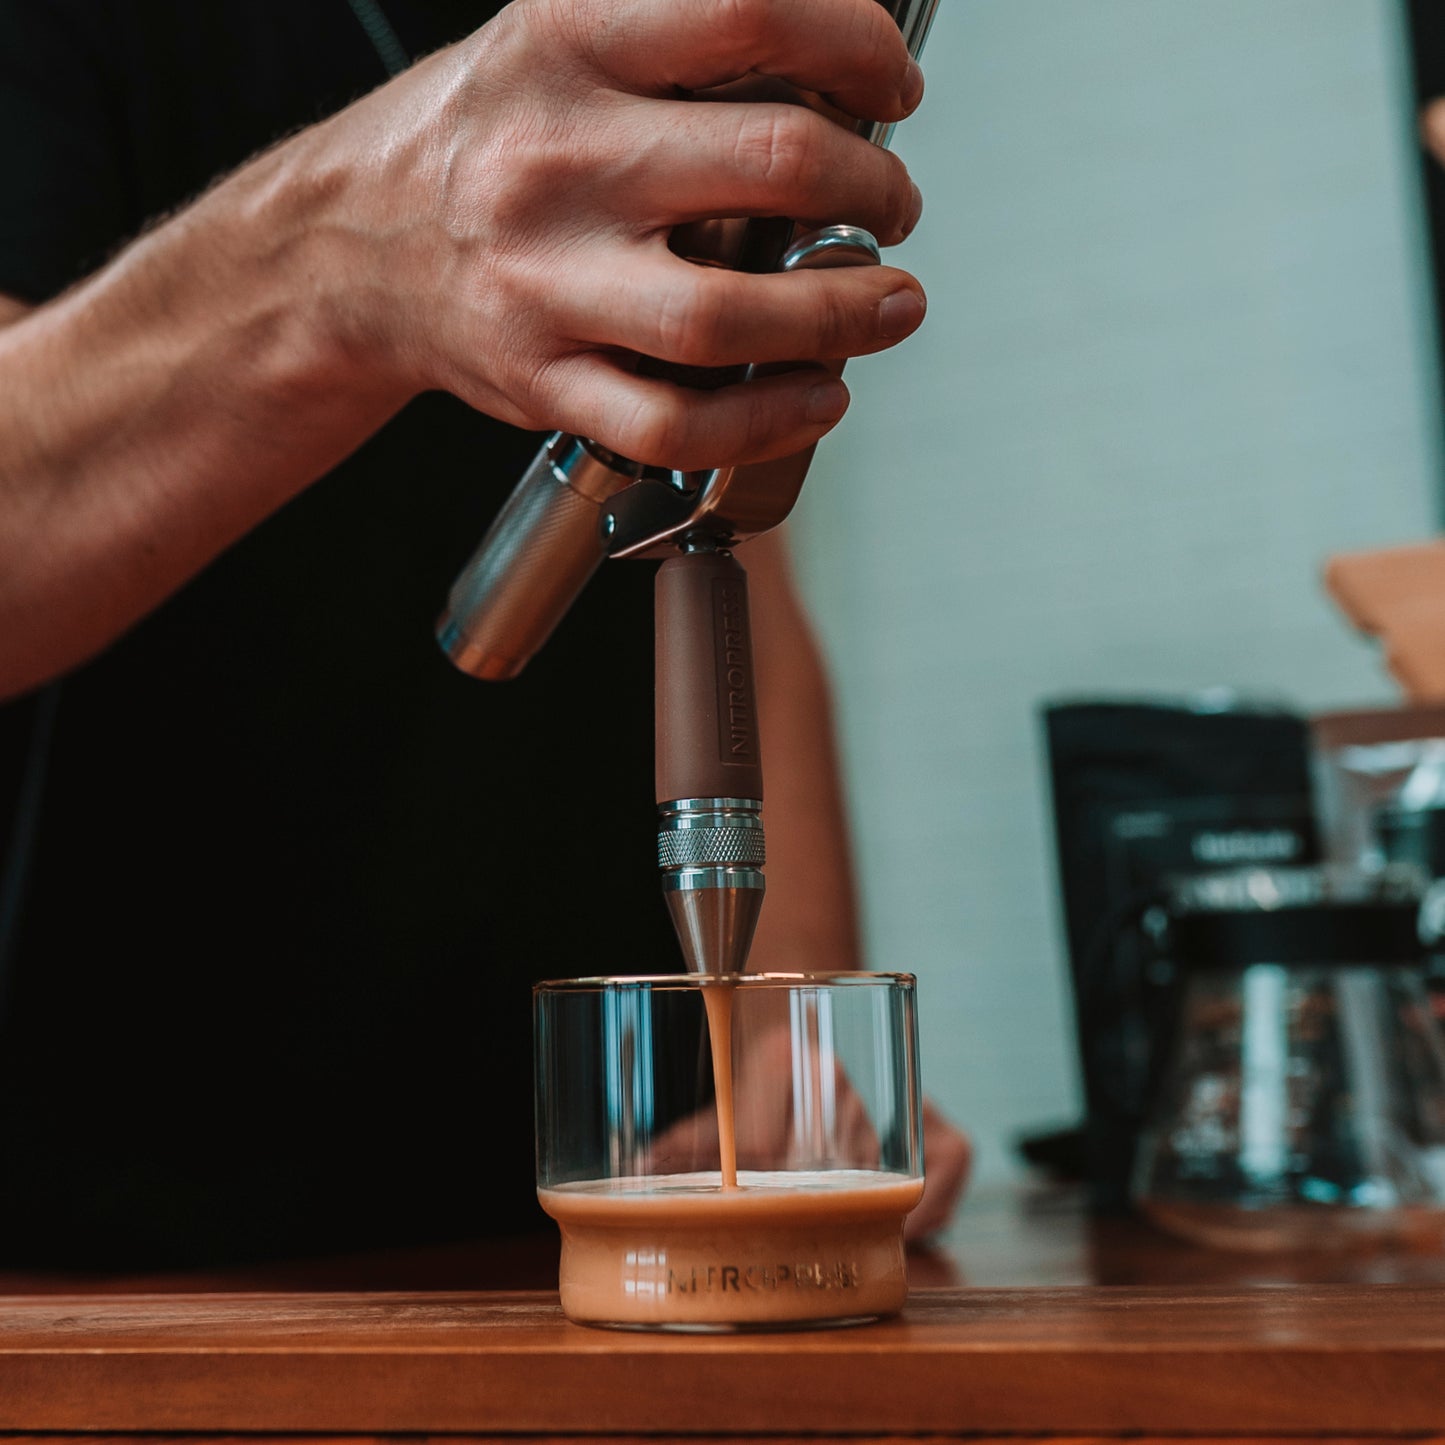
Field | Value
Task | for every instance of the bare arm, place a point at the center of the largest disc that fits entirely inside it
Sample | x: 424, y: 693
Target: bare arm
x: 810, y: 920
x: 492, y: 223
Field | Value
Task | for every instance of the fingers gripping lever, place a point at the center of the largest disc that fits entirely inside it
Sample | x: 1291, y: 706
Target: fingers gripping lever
x: 579, y: 502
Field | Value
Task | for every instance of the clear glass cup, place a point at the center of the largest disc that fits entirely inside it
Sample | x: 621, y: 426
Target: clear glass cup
x: 819, y: 1073
x: 1303, y: 1105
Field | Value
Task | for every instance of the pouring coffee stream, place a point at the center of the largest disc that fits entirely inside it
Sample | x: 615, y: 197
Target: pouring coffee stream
x: 718, y: 1003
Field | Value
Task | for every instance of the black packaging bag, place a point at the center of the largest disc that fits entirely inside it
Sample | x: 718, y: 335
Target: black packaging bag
x: 1145, y: 791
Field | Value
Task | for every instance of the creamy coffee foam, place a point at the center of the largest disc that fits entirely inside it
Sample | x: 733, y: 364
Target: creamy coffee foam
x: 780, y: 1247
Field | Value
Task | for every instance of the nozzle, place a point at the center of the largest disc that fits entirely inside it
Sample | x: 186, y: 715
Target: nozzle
x: 711, y: 852
x: 710, y: 843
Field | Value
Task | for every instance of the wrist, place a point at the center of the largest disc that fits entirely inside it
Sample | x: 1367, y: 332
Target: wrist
x: 303, y: 300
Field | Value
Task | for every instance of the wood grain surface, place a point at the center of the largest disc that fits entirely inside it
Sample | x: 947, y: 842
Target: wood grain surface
x: 12, y: 1438
x: 21, y: 1438
x: 1312, y: 1359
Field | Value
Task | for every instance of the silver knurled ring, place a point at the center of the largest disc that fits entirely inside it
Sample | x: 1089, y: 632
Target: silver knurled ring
x: 699, y: 847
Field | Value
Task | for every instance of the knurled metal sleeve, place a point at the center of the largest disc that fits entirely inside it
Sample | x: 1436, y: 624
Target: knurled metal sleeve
x: 538, y: 554
x: 711, y: 847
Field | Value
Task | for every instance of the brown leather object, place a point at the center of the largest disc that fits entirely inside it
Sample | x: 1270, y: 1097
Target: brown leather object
x: 1398, y: 595
x: 707, y: 710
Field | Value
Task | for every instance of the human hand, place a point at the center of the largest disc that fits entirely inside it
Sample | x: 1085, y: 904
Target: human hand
x: 495, y: 221
x: 948, y: 1158
x: 1432, y: 128
x: 769, y: 1133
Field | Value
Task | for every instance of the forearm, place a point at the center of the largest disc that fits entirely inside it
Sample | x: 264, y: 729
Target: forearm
x: 157, y: 412
x: 810, y: 916
x: 492, y: 223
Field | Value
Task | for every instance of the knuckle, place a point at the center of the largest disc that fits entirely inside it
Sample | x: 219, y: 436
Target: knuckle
x: 780, y: 146
x: 536, y: 389
x: 899, y: 188
x: 879, y: 194
x: 526, y: 169
x: 692, y: 322
x: 654, y: 430
x: 842, y: 321
x: 578, y: 24
x: 760, y: 428
x: 738, y: 26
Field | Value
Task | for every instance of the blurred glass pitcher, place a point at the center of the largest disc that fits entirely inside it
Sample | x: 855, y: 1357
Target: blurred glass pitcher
x: 1303, y: 1105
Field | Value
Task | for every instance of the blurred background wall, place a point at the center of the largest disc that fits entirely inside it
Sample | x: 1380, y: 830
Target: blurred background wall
x: 1180, y: 348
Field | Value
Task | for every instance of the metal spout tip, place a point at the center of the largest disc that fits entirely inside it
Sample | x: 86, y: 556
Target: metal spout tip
x: 715, y: 925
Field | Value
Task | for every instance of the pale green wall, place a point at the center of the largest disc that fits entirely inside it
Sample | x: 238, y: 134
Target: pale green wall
x: 1178, y: 350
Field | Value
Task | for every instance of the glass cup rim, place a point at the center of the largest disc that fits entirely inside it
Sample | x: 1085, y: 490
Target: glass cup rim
x: 689, y: 982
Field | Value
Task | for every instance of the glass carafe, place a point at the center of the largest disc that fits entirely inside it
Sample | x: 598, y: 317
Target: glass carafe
x: 1303, y: 1105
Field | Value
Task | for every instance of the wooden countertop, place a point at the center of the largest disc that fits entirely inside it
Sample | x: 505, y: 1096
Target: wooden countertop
x: 1026, y: 1341
x: 1340, y: 1358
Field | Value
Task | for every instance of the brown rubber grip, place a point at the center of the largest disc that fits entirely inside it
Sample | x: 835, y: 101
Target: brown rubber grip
x: 707, y: 716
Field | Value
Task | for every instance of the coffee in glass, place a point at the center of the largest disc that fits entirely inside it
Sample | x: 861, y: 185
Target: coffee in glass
x: 759, y: 1184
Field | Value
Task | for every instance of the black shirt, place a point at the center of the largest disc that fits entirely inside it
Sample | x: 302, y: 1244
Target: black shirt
x: 292, y: 875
